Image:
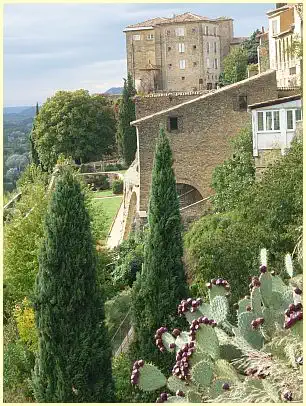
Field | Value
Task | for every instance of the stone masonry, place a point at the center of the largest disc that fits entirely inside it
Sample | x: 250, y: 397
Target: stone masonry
x: 201, y: 141
x: 183, y: 53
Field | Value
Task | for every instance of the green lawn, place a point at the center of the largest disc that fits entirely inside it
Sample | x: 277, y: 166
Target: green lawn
x: 110, y: 208
x: 103, y: 193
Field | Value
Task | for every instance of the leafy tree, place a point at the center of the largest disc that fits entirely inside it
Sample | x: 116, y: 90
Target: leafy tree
x: 234, y: 66
x: 34, y: 155
x: 162, y: 283
x: 75, y: 124
x: 268, y: 214
x: 250, y: 45
x: 236, y: 174
x: 126, y: 134
x: 74, y: 357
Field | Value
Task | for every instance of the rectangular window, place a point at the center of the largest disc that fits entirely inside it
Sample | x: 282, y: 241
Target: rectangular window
x: 242, y: 103
x: 180, y: 32
x: 289, y: 119
x: 260, y: 122
x: 215, y: 47
x: 182, y: 64
x: 207, y: 47
x: 183, y: 77
x: 292, y: 71
x: 194, y: 47
x: 194, y: 30
x: 136, y: 37
x: 168, y: 32
x: 207, y: 63
x: 274, y: 27
x: 276, y: 120
x: 298, y: 114
x: 206, y: 30
x: 268, y: 120
x: 215, y: 31
x: 216, y: 63
x: 181, y: 48
x: 150, y: 36
x: 209, y: 86
x: 194, y: 63
x: 173, y: 123
x: 200, y: 81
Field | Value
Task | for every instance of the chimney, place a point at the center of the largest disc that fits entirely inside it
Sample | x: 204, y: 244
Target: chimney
x: 262, y: 29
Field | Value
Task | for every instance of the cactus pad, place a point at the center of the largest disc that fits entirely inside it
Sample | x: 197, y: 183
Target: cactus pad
x: 253, y: 337
x: 256, y: 301
x: 216, y: 388
x: 297, y: 329
x: 151, y: 378
x: 193, y: 397
x: 219, y: 308
x: 174, y: 384
x: 226, y: 370
x: 202, y: 373
x: 190, y: 316
x: 205, y: 309
x: 207, y: 341
x: 266, y: 288
x: 243, y: 303
x: 216, y: 291
x: 182, y: 339
x: 230, y: 352
x: 278, y: 285
x: 167, y: 340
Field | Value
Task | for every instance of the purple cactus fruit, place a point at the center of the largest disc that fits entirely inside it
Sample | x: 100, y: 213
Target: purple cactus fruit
x: 289, y: 323
x: 248, y: 308
x: 189, y: 301
x: 225, y: 386
x: 209, y: 285
x: 298, y: 291
x: 140, y: 363
x: 213, y: 281
x: 162, y: 349
x: 219, y: 282
x: 254, y: 324
x: 135, y: 374
x: 180, y: 393
x: 263, y: 268
x: 298, y: 306
x: 287, y: 313
x: 299, y: 315
x: 211, y: 321
x: 199, y: 301
x: 172, y: 345
x: 185, y: 348
x: 214, y: 324
x: 227, y: 287
x: 159, y: 342
x: 178, y: 357
x: 260, y: 320
x: 164, y: 330
x: 164, y: 396
x: 288, y: 396
x: 194, y: 303
x: 176, y: 332
x: 191, y: 344
x: 291, y: 307
x: 205, y: 320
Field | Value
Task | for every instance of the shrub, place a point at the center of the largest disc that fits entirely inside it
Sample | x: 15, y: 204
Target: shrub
x: 25, y: 320
x: 260, y: 360
x: 117, y: 186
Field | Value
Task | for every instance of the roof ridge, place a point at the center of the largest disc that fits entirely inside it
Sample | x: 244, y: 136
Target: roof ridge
x: 222, y: 89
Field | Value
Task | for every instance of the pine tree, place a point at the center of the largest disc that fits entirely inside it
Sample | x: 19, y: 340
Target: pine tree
x: 126, y: 134
x: 162, y: 282
x: 74, y: 358
x: 34, y: 154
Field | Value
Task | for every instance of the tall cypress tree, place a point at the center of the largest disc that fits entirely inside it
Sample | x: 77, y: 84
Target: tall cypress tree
x: 126, y: 134
x: 34, y: 154
x: 162, y: 282
x: 74, y: 357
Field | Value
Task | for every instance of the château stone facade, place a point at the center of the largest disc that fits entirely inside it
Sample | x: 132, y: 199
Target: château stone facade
x: 183, y: 53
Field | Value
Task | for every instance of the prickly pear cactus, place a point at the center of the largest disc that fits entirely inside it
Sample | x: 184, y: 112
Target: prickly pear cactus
x: 206, y: 366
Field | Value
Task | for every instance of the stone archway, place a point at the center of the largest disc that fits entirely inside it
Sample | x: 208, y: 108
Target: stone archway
x: 129, y: 222
x: 188, y: 194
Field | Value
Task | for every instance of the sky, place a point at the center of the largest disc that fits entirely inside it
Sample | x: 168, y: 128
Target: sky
x: 50, y: 47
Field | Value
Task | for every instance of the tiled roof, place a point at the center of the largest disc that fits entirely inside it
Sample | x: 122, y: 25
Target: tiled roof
x: 148, y: 23
x: 180, y: 18
x: 222, y: 89
x: 238, y: 40
x: 275, y: 101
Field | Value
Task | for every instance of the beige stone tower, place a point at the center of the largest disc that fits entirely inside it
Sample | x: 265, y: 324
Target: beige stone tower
x: 182, y: 53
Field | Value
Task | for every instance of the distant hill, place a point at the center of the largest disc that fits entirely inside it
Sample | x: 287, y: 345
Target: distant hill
x: 17, y: 109
x: 115, y: 90
x: 16, y: 115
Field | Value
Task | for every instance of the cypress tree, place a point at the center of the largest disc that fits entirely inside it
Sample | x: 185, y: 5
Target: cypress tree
x: 126, y: 134
x: 34, y: 154
x: 162, y: 283
x: 73, y: 363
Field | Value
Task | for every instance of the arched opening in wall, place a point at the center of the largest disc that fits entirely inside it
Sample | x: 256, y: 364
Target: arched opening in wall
x: 187, y: 194
x: 130, y: 219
